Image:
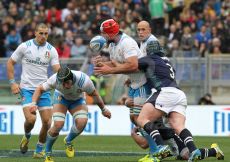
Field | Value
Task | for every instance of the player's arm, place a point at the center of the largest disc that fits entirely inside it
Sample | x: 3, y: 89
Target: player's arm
x: 15, y: 89
x: 54, y: 60
x: 145, y: 62
x: 98, y: 100
x: 56, y: 67
x: 130, y: 65
x: 39, y: 90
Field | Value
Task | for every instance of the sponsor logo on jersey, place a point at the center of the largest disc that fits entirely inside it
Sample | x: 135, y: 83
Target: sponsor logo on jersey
x: 37, y: 61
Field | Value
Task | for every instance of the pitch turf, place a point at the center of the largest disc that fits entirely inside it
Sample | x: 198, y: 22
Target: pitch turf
x: 96, y: 149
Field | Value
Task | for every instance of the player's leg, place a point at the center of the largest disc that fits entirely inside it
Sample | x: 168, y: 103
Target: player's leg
x: 60, y: 107
x: 214, y: 151
x: 59, y: 113
x: 177, y: 122
x: 146, y: 117
x: 79, y: 111
x: 30, y: 119
x: 45, y: 111
x: 140, y: 96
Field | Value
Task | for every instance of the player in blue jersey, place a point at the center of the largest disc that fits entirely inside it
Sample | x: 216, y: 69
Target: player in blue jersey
x: 168, y: 100
x: 70, y: 87
x: 35, y: 56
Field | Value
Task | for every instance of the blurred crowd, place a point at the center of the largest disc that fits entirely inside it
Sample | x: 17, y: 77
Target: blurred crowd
x: 187, y: 25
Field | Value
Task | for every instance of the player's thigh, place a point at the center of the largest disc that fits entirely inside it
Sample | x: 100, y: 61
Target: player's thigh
x: 46, y: 115
x: 79, y: 111
x: 44, y: 101
x: 177, y: 121
x: 148, y: 113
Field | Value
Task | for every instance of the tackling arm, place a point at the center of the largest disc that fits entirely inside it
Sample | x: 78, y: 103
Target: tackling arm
x: 130, y: 65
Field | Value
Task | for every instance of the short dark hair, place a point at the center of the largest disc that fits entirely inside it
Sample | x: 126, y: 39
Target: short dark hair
x: 64, y: 74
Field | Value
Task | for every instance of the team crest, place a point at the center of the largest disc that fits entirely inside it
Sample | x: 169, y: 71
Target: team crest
x: 47, y: 55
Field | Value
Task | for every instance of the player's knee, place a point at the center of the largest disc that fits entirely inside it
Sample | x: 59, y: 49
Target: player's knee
x: 59, y: 119
x: 80, y: 118
x: 46, y: 124
x: 57, y: 126
x: 31, y: 119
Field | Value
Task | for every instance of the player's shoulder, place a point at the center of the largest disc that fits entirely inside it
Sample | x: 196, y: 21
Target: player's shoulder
x: 127, y: 40
x: 152, y: 38
x: 26, y: 44
x: 79, y: 74
x: 81, y: 77
x: 49, y: 46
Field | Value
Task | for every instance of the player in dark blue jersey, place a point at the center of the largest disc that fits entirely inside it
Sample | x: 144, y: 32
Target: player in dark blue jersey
x: 167, y: 100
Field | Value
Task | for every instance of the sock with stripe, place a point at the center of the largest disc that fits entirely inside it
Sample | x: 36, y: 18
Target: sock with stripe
x: 179, y: 142
x: 187, y: 138
x: 207, y: 152
x: 39, y: 147
x: 28, y: 135
x: 152, y: 144
x: 154, y: 133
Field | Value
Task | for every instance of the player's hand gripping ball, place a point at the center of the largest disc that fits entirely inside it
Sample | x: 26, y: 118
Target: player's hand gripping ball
x: 97, y: 43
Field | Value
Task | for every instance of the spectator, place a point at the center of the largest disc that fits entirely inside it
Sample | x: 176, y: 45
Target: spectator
x: 13, y: 39
x: 202, y: 40
x: 78, y: 49
x: 197, y: 6
x: 206, y: 100
x: 173, y: 35
x: 63, y: 49
x: 156, y: 9
x: 53, y: 15
x: 187, y: 41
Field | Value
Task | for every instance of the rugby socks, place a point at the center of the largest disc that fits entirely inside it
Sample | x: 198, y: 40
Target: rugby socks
x: 152, y: 144
x: 74, y: 132
x: 28, y: 135
x: 207, y: 152
x: 186, y: 137
x: 154, y: 133
x: 179, y: 142
x: 49, y: 142
x: 39, y: 147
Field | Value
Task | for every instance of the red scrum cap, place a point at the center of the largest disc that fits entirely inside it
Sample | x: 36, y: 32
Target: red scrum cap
x: 110, y: 27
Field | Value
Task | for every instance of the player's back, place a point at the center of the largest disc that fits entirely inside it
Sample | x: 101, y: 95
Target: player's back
x: 81, y: 83
x: 159, y: 71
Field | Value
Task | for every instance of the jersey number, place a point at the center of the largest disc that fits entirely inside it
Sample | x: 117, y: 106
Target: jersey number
x: 172, y: 74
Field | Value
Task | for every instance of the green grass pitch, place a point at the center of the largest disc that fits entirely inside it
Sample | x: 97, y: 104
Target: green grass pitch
x: 97, y: 149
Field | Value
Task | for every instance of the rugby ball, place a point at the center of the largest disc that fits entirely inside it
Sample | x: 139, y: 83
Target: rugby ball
x: 97, y: 43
